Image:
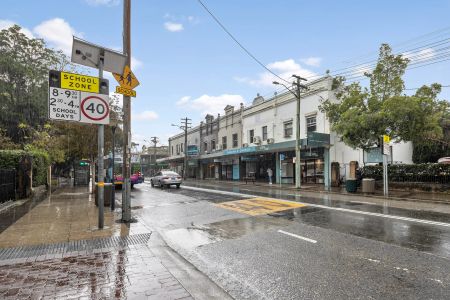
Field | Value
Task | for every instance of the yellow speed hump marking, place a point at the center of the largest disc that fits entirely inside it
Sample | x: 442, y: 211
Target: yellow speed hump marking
x: 259, y: 206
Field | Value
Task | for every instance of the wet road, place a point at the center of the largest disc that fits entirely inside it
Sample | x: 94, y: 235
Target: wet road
x: 325, y: 249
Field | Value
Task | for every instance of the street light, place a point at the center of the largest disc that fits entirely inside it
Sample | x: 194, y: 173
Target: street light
x: 298, y: 84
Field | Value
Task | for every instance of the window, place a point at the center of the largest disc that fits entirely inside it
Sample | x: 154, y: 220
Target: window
x: 311, y: 124
x: 288, y: 129
x: 224, y: 142
x: 264, y: 133
x: 213, y: 145
x: 251, y: 135
x: 205, y: 146
x: 181, y: 148
x: 235, y: 140
x: 178, y: 149
x: 172, y: 149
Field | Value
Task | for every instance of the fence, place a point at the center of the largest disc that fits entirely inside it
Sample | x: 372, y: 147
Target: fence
x: 7, y: 185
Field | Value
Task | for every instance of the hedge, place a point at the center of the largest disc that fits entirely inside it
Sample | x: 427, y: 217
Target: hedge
x: 10, y: 159
x: 437, y: 173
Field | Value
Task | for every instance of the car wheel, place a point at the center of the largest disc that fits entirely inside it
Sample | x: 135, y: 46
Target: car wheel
x: 132, y: 185
x: 168, y: 186
x: 178, y: 186
x: 151, y: 183
x: 160, y: 185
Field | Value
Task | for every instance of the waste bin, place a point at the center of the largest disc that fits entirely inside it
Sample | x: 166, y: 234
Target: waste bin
x: 368, y: 185
x: 108, y: 188
x: 351, y: 185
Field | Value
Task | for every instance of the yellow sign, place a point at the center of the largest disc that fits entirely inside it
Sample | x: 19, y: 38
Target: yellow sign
x: 127, y: 79
x: 386, y: 139
x: 259, y: 206
x: 126, y: 92
x: 79, y: 82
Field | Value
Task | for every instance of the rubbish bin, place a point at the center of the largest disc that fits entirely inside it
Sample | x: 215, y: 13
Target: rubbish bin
x: 108, y: 188
x: 368, y: 185
x: 351, y: 185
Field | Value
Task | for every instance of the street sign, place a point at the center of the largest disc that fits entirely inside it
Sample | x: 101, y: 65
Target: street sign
x: 63, y: 104
x: 88, y: 54
x: 126, y: 79
x: 125, y: 91
x: 386, y: 146
x: 78, y: 82
x: 94, y: 108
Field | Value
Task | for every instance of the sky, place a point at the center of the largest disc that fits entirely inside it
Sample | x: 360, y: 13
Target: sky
x: 188, y: 66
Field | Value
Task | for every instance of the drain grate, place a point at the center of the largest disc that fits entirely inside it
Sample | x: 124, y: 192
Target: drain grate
x: 73, y: 246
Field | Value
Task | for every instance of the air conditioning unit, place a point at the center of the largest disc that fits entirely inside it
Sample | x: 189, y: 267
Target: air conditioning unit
x: 270, y: 141
x: 257, y: 140
x: 219, y: 147
x: 245, y: 145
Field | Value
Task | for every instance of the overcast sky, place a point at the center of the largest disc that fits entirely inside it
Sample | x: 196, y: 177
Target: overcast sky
x: 188, y: 66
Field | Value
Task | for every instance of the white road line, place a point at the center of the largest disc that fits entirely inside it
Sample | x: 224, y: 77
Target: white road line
x: 332, y: 208
x: 297, y: 236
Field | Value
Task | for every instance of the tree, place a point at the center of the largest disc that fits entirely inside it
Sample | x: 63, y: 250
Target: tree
x: 362, y: 115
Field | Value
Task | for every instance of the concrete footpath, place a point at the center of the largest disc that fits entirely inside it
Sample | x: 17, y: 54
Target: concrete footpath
x: 54, y: 250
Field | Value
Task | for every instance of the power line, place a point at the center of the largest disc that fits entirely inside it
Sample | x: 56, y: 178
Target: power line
x: 238, y: 43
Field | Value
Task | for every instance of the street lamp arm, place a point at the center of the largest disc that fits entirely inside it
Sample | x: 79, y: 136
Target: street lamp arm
x: 293, y: 93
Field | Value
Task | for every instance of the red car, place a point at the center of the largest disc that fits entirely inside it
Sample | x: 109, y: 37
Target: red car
x: 118, y: 180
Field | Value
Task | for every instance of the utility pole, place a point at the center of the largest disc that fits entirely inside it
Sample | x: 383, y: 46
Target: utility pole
x: 154, y: 140
x: 126, y: 170
x: 185, y: 125
x: 298, y: 169
x: 101, y: 169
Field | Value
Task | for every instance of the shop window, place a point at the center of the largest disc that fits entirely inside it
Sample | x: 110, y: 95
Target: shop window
x: 287, y: 129
x: 224, y: 142
x: 311, y: 124
x: 235, y: 140
x: 264, y: 133
x: 251, y: 135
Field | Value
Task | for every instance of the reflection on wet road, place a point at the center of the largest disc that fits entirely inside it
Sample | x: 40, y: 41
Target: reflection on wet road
x: 421, y: 237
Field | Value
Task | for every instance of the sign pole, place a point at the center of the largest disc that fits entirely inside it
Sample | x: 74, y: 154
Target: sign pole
x: 101, y: 171
x: 385, y: 151
x: 126, y: 170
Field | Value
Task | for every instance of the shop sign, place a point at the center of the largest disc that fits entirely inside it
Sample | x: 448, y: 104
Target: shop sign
x: 192, y: 150
x: 240, y: 150
x: 318, y: 139
x: 192, y: 163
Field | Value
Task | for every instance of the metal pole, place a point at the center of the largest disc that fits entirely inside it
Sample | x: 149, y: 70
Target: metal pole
x: 113, y: 193
x: 126, y: 170
x: 155, y: 141
x: 385, y: 176
x: 298, y: 171
x: 101, y: 171
x: 185, y: 147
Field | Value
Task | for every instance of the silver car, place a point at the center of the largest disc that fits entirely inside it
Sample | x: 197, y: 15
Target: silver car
x: 166, y: 179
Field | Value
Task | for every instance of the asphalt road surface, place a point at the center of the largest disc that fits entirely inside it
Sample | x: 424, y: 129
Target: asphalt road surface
x: 260, y: 246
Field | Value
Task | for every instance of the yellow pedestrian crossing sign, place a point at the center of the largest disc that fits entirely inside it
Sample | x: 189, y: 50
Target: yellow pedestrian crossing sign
x: 127, y: 79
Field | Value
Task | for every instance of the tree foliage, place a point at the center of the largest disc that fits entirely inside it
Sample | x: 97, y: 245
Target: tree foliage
x: 361, y: 115
x: 24, y: 66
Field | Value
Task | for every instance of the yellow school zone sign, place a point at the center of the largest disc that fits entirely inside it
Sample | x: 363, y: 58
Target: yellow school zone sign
x: 79, y: 82
x: 259, y: 206
x: 127, y: 80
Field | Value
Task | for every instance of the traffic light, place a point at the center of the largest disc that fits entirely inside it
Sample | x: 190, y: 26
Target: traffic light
x: 83, y: 163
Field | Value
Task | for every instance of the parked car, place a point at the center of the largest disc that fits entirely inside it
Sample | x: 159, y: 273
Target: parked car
x: 444, y: 160
x: 134, y: 178
x: 166, y: 179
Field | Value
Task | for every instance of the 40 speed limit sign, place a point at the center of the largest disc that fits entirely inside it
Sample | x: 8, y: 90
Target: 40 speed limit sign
x: 94, y: 108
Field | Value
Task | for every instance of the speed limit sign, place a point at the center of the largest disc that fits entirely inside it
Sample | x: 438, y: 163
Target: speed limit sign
x: 94, y: 108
